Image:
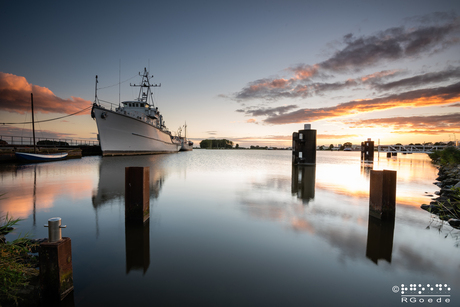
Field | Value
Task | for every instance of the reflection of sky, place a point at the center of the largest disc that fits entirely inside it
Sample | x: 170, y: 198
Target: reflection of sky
x: 229, y: 222
x: 52, y: 181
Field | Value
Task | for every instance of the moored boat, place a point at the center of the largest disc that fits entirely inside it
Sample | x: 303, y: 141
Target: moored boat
x: 135, y: 127
x: 33, y: 157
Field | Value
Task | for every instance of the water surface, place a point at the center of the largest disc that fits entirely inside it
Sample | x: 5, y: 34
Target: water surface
x: 239, y: 228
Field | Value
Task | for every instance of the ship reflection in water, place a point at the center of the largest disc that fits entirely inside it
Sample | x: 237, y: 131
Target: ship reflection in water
x: 111, y: 188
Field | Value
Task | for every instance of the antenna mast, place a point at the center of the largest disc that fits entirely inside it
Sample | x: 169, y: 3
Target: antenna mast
x: 95, y: 93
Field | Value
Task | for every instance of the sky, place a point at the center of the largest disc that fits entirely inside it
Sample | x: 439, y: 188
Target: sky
x: 252, y: 72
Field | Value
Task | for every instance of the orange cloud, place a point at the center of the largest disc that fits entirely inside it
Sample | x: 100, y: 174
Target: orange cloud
x: 337, y: 136
x: 380, y: 75
x: 15, y: 97
x: 417, y: 98
x: 434, y: 124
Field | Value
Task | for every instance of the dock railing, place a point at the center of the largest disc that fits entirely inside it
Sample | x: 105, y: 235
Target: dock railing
x: 6, y: 141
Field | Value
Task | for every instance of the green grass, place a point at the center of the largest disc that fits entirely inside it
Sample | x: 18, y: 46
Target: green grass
x: 17, y: 267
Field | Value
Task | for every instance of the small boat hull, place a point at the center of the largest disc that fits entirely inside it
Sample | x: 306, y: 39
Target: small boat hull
x: 30, y: 157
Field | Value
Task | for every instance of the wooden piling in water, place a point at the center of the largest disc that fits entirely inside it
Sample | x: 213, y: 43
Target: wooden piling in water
x: 137, y: 194
x: 382, y: 194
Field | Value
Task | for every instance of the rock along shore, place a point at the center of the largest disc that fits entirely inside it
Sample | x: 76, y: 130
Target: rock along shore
x: 447, y: 205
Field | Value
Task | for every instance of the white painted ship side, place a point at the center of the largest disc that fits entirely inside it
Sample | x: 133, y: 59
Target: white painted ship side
x: 120, y: 134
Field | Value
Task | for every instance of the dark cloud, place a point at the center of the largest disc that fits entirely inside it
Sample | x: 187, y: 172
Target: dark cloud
x: 391, y: 44
x: 421, y: 80
x: 416, y: 98
x: 269, y: 111
x: 359, y: 53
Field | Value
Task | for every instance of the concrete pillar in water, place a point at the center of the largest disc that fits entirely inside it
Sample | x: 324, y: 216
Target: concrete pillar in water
x: 137, y: 194
x: 394, y: 154
x: 388, y: 154
x: 55, y: 256
x: 367, y: 151
x: 382, y: 194
x: 304, y: 146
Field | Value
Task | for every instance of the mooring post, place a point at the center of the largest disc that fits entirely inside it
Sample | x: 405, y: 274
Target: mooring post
x: 55, y: 257
x: 382, y: 194
x: 137, y: 194
x: 304, y: 146
x: 367, y: 151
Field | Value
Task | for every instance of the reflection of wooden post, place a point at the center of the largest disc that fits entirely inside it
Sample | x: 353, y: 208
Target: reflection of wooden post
x: 137, y: 239
x: 380, y: 239
x: 303, y: 182
x: 137, y: 193
x: 56, y: 273
x: 382, y: 194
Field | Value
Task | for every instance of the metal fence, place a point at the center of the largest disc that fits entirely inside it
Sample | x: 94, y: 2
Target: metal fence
x: 50, y: 142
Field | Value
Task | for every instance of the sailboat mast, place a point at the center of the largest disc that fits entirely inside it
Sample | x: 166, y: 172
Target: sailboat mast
x: 33, y: 121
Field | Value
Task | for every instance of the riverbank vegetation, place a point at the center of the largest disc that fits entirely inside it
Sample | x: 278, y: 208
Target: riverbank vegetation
x: 18, y: 273
x: 448, y: 156
x: 447, y: 205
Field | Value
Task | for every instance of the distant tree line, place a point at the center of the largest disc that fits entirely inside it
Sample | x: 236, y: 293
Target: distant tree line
x: 216, y: 144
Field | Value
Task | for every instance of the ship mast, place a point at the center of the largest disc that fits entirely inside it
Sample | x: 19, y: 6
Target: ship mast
x: 33, y: 121
x: 144, y: 87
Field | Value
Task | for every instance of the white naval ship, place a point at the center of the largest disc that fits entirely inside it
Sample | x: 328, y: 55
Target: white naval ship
x: 135, y: 127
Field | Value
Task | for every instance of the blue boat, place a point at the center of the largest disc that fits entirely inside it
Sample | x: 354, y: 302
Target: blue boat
x: 32, y: 157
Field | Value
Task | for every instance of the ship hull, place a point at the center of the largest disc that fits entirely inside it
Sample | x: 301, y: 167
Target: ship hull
x: 121, y: 134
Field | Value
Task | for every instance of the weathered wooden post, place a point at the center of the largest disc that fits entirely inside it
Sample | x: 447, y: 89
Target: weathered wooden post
x: 367, y: 151
x: 137, y: 194
x: 304, y: 146
x: 382, y: 194
x: 55, y: 256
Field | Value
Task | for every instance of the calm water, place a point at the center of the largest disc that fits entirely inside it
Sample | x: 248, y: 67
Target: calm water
x: 239, y: 228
